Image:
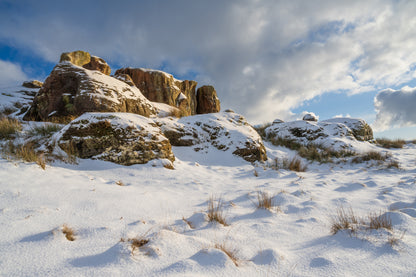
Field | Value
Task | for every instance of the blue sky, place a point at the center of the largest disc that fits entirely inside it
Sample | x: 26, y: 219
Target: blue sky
x: 266, y: 59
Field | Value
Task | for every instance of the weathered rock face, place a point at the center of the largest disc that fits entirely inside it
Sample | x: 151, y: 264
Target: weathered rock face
x: 99, y: 64
x: 32, y: 84
x: 78, y: 58
x: 207, y: 100
x: 125, y: 78
x: 72, y: 90
x: 225, y: 131
x: 360, y: 129
x: 162, y: 87
x: 121, y: 138
x: 331, y: 134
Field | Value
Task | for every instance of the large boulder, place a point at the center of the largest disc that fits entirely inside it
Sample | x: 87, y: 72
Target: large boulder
x: 159, y: 86
x: 71, y: 90
x: 360, y: 129
x: 99, y: 64
x: 207, y: 100
x: 78, y: 58
x: 330, y: 134
x: 122, y: 138
x: 310, y: 117
x: 225, y: 131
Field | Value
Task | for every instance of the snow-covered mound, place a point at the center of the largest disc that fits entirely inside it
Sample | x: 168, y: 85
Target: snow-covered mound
x: 360, y: 129
x: 121, y: 138
x: 225, y: 131
x: 336, y: 134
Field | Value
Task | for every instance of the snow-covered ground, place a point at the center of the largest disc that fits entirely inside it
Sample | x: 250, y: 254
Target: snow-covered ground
x: 107, y: 204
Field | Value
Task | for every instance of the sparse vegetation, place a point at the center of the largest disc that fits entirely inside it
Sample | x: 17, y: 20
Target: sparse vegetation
x: 68, y: 232
x: 120, y: 183
x: 372, y: 155
x: 215, y: 211
x: 45, y: 130
x: 230, y: 252
x: 72, y: 152
x: 344, y: 220
x: 136, y: 243
x: 390, y: 143
x: 261, y: 129
x: 25, y: 152
x: 9, y: 127
x: 265, y: 201
x: 188, y: 222
x: 295, y: 164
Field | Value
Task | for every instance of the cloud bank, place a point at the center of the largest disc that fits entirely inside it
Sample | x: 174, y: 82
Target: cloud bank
x: 264, y: 57
x: 10, y: 74
x: 395, y: 108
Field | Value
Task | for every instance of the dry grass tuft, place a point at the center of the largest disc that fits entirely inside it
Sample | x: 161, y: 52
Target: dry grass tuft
x: 188, y: 222
x: 120, y: 183
x: 390, y: 143
x: 25, y: 152
x: 68, y: 232
x: 72, y: 152
x: 230, y: 252
x: 215, y: 211
x: 265, y: 201
x: 9, y: 127
x: 372, y: 155
x: 256, y: 174
x: 379, y: 220
x: 344, y: 220
x: 45, y: 130
x: 295, y: 164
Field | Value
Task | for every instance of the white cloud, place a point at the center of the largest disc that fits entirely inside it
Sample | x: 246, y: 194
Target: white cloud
x: 10, y: 74
x: 264, y: 57
x: 395, y: 108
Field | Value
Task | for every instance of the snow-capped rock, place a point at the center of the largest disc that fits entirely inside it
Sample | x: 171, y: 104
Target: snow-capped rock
x: 121, y: 138
x: 360, y: 129
x: 331, y: 134
x: 225, y: 131
x: 310, y: 117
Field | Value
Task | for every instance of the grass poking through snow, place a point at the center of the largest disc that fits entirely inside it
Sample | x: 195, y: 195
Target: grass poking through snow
x: 68, y: 232
x: 215, y: 211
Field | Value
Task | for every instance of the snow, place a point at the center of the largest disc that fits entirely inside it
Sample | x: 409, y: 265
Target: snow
x: 156, y: 203
x: 162, y: 72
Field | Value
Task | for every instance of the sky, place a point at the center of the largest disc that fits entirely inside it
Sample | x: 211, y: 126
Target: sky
x: 266, y: 59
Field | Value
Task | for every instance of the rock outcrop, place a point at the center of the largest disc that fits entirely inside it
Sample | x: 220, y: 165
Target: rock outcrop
x: 334, y: 134
x: 360, y: 129
x: 310, y: 117
x: 121, y: 138
x: 207, y: 100
x: 32, y: 84
x: 71, y: 90
x: 225, y: 131
x: 99, y: 64
x: 162, y: 87
x: 84, y: 59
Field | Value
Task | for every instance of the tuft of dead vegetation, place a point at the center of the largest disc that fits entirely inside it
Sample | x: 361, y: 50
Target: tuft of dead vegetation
x: 136, y: 243
x: 379, y: 220
x: 344, y: 220
x: 230, y: 252
x: 9, y: 127
x: 295, y: 164
x: 215, y: 211
x: 390, y: 143
x: 25, y: 152
x: 71, y: 151
x: 188, y: 222
x: 265, y: 201
x: 68, y: 232
x: 120, y: 183
x: 261, y: 129
x: 371, y: 155
x: 45, y: 130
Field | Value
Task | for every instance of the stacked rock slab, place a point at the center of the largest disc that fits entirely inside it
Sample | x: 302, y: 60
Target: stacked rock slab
x: 207, y: 100
x: 71, y: 90
x: 162, y: 87
x: 85, y: 60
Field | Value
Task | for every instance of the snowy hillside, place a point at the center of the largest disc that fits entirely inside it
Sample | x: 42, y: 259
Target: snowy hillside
x: 146, y: 220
